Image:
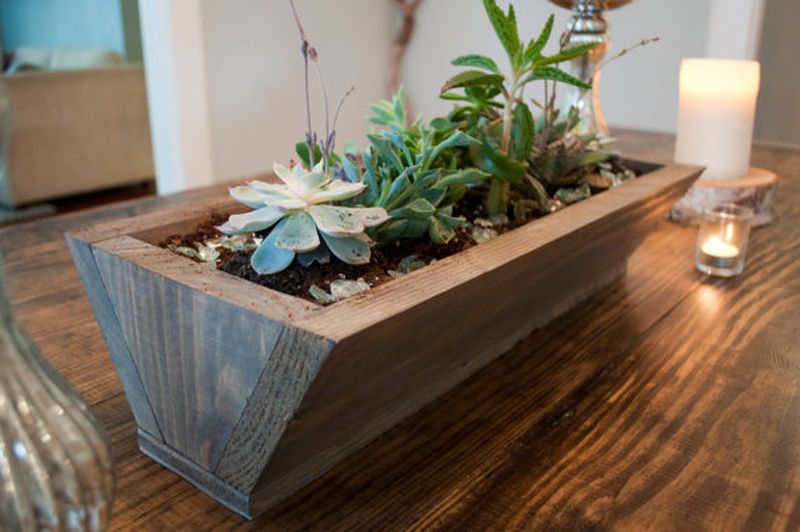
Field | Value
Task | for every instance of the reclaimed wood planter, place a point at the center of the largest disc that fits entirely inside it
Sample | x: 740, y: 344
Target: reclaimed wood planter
x: 250, y: 394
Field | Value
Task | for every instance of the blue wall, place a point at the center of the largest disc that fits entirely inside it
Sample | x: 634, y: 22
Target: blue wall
x: 62, y: 23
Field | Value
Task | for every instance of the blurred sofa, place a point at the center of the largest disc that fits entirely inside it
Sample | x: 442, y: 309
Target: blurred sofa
x: 76, y: 131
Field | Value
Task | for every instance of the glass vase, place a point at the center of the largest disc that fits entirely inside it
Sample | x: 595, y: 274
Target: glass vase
x: 55, y: 465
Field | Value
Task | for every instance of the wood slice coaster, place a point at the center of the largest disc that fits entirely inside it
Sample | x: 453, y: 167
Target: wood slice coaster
x: 756, y: 190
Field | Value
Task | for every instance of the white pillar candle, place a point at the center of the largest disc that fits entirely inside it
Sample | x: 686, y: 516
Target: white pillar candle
x: 716, y: 115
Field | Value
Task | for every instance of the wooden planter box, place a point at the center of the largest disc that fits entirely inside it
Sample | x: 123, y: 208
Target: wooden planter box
x: 250, y: 394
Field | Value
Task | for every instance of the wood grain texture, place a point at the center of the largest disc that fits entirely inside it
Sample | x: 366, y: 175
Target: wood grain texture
x: 225, y: 381
x: 503, y: 290
x: 106, y: 315
x: 292, y: 366
x: 199, y: 476
x: 666, y: 401
x: 198, y: 357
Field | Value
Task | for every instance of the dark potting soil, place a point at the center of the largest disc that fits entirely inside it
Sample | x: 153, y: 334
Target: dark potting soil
x: 297, y: 280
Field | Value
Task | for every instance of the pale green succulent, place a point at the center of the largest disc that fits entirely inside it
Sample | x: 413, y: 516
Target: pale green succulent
x: 301, y: 208
x: 415, y: 173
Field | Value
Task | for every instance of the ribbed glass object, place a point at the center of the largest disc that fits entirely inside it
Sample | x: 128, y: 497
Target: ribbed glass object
x: 55, y: 465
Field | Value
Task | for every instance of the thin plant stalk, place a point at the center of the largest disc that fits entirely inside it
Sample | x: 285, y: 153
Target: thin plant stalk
x: 308, y: 51
x: 332, y: 139
x: 643, y: 42
x: 328, y: 142
x: 325, y: 153
x: 309, y: 132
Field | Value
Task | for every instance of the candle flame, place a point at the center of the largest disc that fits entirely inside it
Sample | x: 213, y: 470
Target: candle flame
x: 716, y: 247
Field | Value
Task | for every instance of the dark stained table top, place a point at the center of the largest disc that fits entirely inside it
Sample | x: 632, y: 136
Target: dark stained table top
x: 667, y: 401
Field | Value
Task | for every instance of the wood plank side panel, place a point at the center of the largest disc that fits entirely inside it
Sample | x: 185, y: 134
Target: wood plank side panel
x: 152, y: 224
x: 154, y: 219
x: 388, y: 374
x: 187, y: 223
x: 105, y: 314
x: 199, y: 356
x: 199, y: 477
x: 385, y: 373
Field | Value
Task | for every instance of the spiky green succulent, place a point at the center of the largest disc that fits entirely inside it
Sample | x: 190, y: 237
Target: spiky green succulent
x: 506, y: 127
x: 414, y: 172
x: 301, y: 211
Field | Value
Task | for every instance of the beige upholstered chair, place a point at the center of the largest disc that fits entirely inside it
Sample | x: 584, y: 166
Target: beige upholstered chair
x: 76, y: 131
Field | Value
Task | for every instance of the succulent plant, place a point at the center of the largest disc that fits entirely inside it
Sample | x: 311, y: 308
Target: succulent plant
x: 506, y: 128
x: 301, y: 211
x: 414, y: 172
x: 555, y: 164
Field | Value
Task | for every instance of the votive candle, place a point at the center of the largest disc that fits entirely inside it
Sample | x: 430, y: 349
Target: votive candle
x: 716, y: 115
x: 722, y: 240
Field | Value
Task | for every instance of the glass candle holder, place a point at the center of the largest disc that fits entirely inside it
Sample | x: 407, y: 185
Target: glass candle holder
x: 722, y: 241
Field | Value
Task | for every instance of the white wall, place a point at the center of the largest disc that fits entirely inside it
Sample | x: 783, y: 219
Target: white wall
x: 253, y: 68
x: 778, y: 117
x: 639, y: 90
x: 735, y: 28
x: 177, y: 96
x: 255, y: 75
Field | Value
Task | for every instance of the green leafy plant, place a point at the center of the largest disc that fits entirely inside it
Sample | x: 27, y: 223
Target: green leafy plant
x: 506, y: 128
x: 414, y: 172
x: 301, y: 210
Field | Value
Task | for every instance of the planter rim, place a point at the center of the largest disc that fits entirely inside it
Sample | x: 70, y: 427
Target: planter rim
x: 133, y: 240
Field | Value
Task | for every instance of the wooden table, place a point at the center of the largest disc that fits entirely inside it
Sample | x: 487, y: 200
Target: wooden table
x: 667, y: 401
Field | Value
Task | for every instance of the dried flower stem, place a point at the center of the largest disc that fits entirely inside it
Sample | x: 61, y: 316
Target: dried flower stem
x: 307, y: 50
x: 643, y: 42
x: 325, y: 152
x: 331, y: 140
x: 328, y: 142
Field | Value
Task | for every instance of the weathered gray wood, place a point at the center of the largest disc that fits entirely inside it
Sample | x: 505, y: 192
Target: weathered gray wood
x: 508, y: 287
x: 198, y: 476
x: 395, y: 370
x: 632, y: 411
x: 663, y: 186
x: 124, y: 363
x: 322, y: 382
x: 199, y: 356
x: 154, y: 226
x: 216, y: 284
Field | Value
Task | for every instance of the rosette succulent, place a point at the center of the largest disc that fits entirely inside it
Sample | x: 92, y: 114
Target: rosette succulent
x: 301, y: 212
